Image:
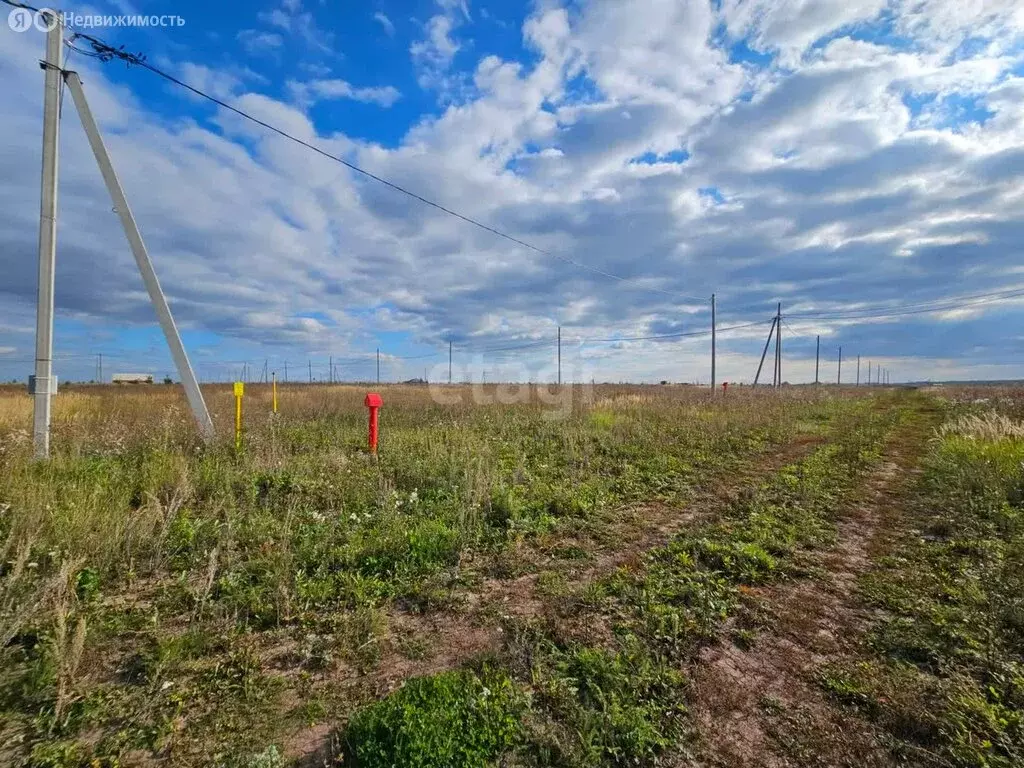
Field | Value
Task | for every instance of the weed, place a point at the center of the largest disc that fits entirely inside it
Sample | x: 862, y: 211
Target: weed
x: 947, y: 677
x: 303, y: 542
x: 453, y: 719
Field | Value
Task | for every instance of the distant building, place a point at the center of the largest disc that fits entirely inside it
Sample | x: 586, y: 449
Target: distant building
x: 133, y: 378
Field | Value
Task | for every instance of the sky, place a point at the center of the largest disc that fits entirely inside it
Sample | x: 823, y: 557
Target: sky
x: 837, y: 156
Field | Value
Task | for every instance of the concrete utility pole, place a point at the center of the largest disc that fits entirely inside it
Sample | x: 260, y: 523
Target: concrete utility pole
x: 559, y: 355
x: 310, y: 364
x: 869, y: 373
x: 330, y: 369
x: 839, y: 373
x: 285, y: 371
x: 142, y: 260
x: 778, y: 346
x: 858, y: 370
x: 817, y: 357
x: 47, y: 242
x: 713, y: 330
x: 449, y: 362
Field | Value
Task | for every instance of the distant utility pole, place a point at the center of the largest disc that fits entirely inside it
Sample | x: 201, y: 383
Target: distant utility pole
x: 839, y: 372
x: 858, y: 370
x: 449, y: 361
x: 713, y: 339
x: 285, y: 371
x: 559, y: 356
x: 310, y: 364
x: 778, y: 346
x: 378, y: 366
x: 817, y: 358
x: 330, y: 369
x: 869, y: 373
x: 47, y: 243
x: 99, y: 377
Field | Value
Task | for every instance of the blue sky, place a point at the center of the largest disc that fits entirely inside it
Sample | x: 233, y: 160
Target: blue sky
x: 826, y: 154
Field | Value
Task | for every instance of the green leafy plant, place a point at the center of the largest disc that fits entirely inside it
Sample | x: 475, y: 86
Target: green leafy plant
x: 452, y: 720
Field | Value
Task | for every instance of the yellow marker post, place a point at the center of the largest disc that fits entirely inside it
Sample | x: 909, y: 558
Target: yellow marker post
x: 273, y: 379
x: 239, y: 391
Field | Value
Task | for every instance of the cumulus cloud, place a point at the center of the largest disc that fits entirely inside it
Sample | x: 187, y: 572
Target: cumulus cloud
x: 843, y: 169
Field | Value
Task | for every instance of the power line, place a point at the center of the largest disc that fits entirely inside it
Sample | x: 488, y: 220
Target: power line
x: 914, y: 308
x: 685, y: 334
x: 106, y: 52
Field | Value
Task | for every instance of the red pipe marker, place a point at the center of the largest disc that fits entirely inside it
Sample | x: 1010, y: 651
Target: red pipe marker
x: 373, y: 401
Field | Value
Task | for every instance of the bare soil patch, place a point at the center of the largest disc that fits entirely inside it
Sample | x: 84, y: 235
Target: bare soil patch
x: 762, y: 705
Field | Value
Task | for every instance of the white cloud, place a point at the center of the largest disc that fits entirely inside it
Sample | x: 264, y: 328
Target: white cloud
x: 321, y: 90
x: 813, y: 183
x: 791, y: 26
x: 294, y: 19
x: 385, y: 22
x: 943, y: 25
x: 212, y: 81
x: 435, y: 52
x: 257, y: 42
x: 432, y: 56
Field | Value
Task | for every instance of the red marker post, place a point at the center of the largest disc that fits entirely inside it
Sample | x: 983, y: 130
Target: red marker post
x: 373, y: 401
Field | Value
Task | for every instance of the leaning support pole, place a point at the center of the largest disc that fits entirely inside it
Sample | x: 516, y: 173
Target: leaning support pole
x: 131, y: 230
x: 765, y: 352
x: 47, y: 245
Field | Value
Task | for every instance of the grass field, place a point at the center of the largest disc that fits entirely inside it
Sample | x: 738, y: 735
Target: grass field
x: 596, y: 576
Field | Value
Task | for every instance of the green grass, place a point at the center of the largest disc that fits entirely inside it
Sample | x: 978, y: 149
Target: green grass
x: 452, y: 719
x: 946, y: 677
x: 616, y: 695
x: 148, y: 581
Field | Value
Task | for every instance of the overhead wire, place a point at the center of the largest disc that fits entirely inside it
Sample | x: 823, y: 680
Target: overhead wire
x: 106, y: 52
